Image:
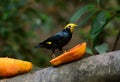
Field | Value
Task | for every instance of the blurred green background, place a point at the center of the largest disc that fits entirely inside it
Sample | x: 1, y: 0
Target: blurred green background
x: 25, y: 23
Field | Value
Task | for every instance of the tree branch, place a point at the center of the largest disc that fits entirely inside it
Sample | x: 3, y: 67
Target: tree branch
x: 98, y: 68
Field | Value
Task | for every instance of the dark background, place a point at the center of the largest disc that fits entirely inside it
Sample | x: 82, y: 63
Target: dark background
x: 25, y: 23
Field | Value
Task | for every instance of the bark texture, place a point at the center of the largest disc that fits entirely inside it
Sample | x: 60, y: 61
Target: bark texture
x: 98, y: 68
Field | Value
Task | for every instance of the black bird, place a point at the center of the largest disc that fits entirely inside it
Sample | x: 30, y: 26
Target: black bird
x: 59, y: 40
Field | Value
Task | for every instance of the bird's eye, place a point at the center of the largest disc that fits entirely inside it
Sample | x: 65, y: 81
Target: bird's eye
x: 69, y: 26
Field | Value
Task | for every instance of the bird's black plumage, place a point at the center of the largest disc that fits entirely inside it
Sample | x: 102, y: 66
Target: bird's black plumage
x: 57, y: 41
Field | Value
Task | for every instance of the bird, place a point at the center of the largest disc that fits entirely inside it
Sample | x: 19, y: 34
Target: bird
x: 58, y: 40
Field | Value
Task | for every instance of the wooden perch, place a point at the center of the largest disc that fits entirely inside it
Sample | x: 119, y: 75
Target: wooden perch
x: 98, y: 68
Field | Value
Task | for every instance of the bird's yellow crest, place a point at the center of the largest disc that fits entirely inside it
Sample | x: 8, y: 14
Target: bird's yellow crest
x: 71, y: 26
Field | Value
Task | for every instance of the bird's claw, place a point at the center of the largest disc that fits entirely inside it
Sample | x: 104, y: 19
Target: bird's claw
x: 65, y: 51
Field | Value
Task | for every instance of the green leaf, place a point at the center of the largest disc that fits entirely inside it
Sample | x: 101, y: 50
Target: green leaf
x: 86, y: 19
x: 102, y: 18
x: 98, y: 2
x: 81, y: 12
x: 89, y: 51
x: 118, y: 13
x: 101, y: 48
x: 98, y: 24
x: 5, y: 15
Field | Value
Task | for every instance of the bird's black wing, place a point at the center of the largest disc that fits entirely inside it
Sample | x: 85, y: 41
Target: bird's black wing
x: 57, y: 38
x: 53, y: 41
x: 56, y: 41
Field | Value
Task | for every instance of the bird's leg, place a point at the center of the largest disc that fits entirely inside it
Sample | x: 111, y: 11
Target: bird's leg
x: 53, y: 53
x: 60, y: 49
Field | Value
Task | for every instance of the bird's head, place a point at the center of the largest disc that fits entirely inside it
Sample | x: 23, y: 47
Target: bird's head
x: 70, y: 26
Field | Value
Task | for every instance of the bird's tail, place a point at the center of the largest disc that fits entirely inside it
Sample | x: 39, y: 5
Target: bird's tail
x: 38, y: 46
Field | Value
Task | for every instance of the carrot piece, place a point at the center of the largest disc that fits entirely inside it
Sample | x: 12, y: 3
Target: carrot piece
x: 74, y: 53
x: 11, y: 67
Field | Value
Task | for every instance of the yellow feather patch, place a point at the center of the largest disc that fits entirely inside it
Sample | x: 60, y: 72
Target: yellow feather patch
x: 49, y: 43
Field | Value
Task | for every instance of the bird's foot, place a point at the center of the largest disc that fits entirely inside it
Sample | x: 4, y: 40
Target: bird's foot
x: 65, y: 51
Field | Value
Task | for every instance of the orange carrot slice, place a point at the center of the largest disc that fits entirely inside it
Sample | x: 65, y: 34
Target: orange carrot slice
x: 73, y: 54
x: 11, y: 67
